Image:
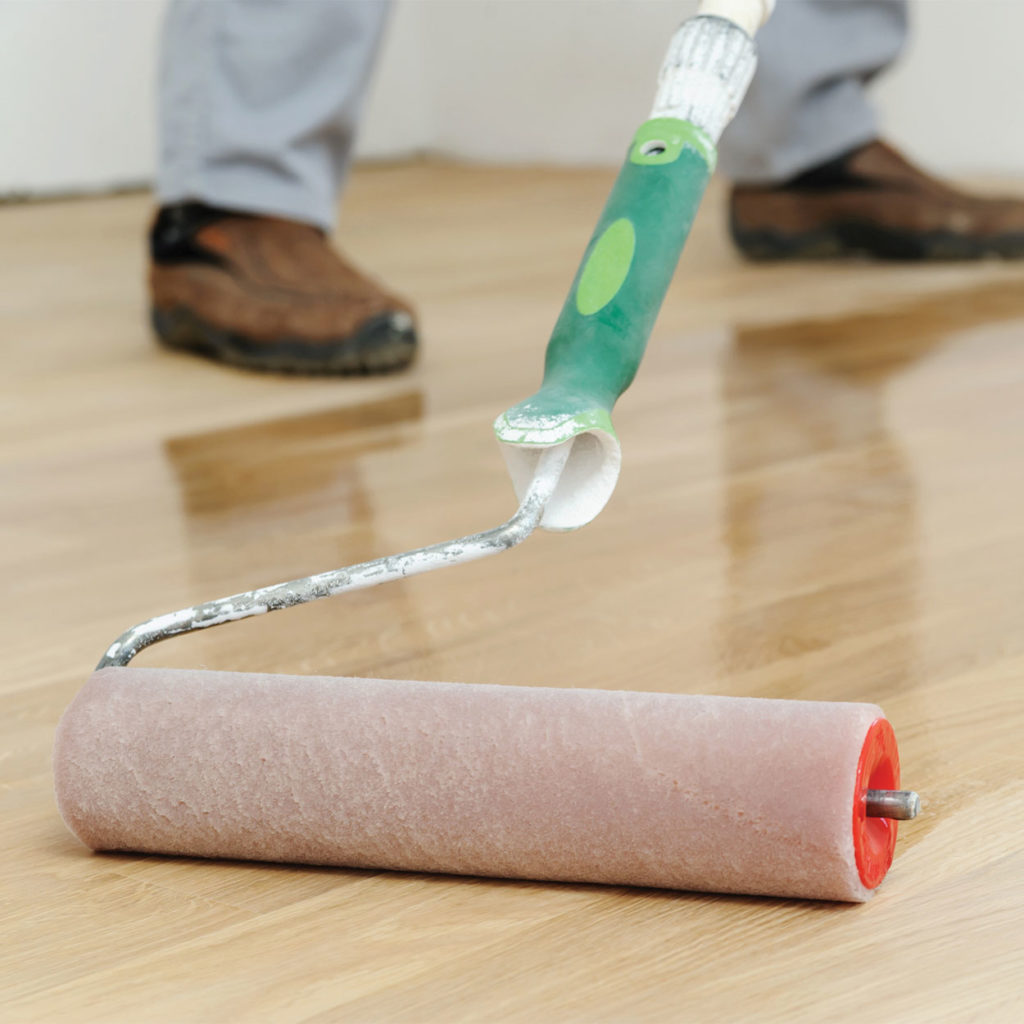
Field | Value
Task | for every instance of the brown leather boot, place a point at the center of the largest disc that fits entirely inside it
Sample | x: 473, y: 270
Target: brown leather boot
x: 873, y: 202
x: 269, y: 294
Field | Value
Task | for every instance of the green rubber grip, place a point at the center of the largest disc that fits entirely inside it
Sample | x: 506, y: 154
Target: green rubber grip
x: 601, y: 334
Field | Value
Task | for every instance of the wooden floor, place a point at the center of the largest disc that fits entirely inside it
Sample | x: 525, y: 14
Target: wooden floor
x: 821, y: 498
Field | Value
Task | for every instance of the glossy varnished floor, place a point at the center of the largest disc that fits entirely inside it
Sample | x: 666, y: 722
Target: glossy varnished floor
x: 821, y: 498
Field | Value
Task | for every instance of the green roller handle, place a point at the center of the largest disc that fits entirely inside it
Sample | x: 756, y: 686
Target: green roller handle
x: 601, y: 334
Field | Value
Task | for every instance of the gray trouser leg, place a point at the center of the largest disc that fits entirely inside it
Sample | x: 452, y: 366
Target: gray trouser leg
x: 807, y: 102
x: 259, y: 101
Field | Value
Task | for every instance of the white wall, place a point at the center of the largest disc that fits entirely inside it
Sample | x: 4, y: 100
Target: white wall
x: 530, y: 80
x: 504, y: 80
x: 954, y: 100
x: 75, y: 88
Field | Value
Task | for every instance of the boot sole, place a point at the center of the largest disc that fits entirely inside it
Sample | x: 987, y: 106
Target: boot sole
x: 379, y: 346
x: 844, y: 240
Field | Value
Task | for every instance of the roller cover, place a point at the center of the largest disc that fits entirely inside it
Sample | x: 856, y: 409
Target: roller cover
x: 722, y: 794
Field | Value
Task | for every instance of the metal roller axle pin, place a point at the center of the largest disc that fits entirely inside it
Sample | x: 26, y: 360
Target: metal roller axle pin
x: 898, y: 804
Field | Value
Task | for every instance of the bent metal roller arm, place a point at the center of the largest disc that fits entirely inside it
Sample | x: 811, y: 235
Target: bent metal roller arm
x: 353, y: 577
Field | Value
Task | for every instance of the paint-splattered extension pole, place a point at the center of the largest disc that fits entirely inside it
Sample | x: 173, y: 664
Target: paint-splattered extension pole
x: 607, y: 318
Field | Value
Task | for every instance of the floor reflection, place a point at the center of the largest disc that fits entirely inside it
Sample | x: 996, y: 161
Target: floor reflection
x: 281, y: 499
x: 820, y: 511
x: 242, y: 469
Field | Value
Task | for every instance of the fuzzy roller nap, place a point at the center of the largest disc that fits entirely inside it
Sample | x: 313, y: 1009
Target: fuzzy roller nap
x: 724, y: 794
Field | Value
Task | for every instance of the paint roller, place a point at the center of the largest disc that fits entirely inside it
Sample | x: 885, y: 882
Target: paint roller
x: 787, y: 798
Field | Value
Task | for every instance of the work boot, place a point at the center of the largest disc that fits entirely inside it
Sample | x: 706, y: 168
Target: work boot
x: 873, y: 202
x: 269, y: 294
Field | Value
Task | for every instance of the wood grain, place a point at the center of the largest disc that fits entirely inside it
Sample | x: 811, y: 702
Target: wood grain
x: 820, y: 498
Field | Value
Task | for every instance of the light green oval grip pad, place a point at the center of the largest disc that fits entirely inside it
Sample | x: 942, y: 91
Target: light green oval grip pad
x: 601, y: 334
